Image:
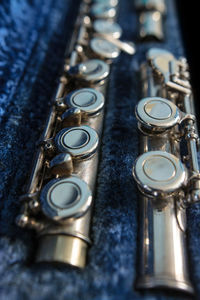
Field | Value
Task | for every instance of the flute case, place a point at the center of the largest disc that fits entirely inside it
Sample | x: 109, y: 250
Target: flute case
x: 33, y: 36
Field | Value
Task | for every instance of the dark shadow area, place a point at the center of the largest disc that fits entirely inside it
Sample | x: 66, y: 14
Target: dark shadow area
x: 189, y: 16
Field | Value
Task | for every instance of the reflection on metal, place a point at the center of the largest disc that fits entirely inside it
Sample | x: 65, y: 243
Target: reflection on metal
x: 107, y: 27
x: 146, y: 5
x: 151, y: 26
x: 151, y: 16
x: 167, y: 185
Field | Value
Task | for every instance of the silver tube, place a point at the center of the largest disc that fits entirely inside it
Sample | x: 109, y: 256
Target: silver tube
x: 59, y: 199
x: 163, y: 179
x: 163, y: 261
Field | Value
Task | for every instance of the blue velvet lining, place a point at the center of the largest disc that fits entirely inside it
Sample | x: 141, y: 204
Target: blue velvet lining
x: 33, y: 36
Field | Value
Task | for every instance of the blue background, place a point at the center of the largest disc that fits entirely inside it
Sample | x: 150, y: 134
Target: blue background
x: 33, y: 37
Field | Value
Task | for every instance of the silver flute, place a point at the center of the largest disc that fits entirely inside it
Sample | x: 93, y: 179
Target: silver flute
x: 59, y: 197
x: 167, y: 171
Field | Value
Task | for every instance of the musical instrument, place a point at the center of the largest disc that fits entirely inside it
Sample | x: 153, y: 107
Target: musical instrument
x: 167, y: 171
x: 59, y: 198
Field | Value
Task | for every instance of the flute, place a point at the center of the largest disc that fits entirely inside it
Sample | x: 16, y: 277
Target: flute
x: 167, y: 171
x: 59, y: 198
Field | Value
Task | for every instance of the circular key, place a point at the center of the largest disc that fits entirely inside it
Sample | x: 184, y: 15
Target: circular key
x: 112, y: 3
x: 93, y: 70
x: 159, y: 173
x: 157, y: 113
x: 88, y: 100
x: 106, y: 27
x: 102, y: 11
x: 65, y: 198
x: 81, y: 141
x: 104, y: 49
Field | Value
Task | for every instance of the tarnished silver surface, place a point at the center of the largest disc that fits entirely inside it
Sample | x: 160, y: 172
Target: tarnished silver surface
x: 59, y: 199
x: 167, y: 185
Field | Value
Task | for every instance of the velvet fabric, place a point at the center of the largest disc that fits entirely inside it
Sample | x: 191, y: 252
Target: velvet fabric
x: 33, y: 37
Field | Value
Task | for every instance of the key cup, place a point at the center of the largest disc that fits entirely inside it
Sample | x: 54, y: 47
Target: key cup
x: 159, y: 173
x: 88, y: 100
x: 159, y: 114
x: 65, y: 198
x: 80, y: 142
